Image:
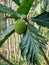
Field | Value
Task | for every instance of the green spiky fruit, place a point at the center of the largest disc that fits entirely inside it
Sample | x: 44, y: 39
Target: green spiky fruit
x: 20, y: 26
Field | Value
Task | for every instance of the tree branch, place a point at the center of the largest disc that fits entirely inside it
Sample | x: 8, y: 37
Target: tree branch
x: 2, y: 57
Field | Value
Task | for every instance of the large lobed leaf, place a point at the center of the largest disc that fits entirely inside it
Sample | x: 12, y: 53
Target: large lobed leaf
x: 42, y: 19
x: 8, y: 10
x: 25, y: 7
x: 31, y: 44
x: 6, y: 34
x: 17, y: 2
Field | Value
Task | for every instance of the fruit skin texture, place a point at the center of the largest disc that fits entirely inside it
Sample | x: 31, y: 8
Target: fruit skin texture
x: 20, y: 26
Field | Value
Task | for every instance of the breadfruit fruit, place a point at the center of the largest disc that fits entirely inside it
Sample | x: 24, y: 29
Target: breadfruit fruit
x: 20, y: 26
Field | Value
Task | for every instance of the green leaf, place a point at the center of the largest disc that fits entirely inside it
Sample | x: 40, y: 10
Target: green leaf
x: 8, y: 10
x: 22, y: 62
x: 17, y: 2
x: 6, y: 34
x: 30, y: 45
x: 12, y: 17
x: 25, y: 7
x: 42, y: 19
x: 21, y: 1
